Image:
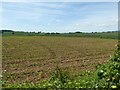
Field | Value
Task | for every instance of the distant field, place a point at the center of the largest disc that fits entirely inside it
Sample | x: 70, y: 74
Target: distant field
x: 33, y: 58
x: 106, y: 35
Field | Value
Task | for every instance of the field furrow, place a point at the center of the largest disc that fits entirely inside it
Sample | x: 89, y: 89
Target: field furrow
x: 32, y: 59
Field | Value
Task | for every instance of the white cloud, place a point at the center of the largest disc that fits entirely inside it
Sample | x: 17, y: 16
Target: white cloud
x: 94, y: 24
x: 59, y: 20
x: 38, y: 10
x: 32, y: 13
x: 53, y: 5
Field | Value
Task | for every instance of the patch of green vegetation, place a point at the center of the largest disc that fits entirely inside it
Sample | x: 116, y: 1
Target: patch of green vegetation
x: 107, y: 35
x: 61, y: 79
x: 109, y: 74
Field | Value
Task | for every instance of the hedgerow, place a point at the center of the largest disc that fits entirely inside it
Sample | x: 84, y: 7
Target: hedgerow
x: 109, y: 74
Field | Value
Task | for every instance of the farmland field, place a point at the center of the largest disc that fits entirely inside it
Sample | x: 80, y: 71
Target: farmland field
x: 33, y: 58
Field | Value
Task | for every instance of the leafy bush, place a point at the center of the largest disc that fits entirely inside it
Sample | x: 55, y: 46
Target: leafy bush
x: 58, y: 79
x: 62, y: 79
x: 109, y: 74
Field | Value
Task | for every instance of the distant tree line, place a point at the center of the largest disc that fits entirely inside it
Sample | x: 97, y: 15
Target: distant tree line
x: 10, y: 31
x: 44, y: 33
x: 6, y: 31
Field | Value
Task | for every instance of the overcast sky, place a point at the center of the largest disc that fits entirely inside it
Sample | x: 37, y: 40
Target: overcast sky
x: 60, y: 16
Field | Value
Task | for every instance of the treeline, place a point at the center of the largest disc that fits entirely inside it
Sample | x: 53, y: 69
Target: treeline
x: 5, y: 31
x: 11, y: 32
x: 107, y: 35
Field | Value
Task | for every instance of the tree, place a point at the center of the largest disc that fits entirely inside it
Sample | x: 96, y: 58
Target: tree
x: 78, y: 32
